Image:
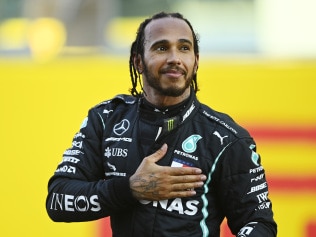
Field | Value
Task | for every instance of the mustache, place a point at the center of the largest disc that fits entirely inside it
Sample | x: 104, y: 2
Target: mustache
x: 173, y: 69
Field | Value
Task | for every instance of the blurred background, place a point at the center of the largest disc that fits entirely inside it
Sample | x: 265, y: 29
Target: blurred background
x: 59, y: 58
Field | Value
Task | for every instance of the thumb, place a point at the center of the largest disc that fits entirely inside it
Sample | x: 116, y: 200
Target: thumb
x: 159, y: 153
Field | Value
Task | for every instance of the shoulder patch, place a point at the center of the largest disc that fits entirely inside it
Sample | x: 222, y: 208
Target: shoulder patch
x: 127, y: 99
x: 225, y: 121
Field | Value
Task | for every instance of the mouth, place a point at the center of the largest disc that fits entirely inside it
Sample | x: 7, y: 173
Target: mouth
x: 173, y: 73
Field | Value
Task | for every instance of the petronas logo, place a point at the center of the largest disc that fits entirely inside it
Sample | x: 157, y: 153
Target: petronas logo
x: 189, y: 144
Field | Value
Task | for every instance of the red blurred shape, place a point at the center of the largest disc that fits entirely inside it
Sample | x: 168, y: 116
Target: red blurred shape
x: 292, y: 184
x: 225, y: 231
x: 311, y: 229
x: 283, y: 133
x: 105, y: 228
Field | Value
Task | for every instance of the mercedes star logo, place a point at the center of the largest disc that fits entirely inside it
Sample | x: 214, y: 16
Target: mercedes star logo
x: 121, y: 127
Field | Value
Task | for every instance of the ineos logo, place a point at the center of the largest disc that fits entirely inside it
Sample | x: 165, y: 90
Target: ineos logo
x: 121, y: 127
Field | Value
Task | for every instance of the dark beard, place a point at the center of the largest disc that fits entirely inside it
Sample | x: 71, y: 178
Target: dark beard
x: 171, y: 91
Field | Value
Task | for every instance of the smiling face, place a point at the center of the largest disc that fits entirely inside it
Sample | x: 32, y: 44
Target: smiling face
x: 169, y: 62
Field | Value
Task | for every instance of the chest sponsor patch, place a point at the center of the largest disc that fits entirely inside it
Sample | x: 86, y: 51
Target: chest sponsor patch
x: 180, y: 163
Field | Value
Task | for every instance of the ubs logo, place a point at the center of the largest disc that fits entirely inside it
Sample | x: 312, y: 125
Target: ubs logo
x: 121, y: 127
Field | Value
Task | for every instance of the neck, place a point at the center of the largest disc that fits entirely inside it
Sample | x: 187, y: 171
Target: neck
x: 162, y: 101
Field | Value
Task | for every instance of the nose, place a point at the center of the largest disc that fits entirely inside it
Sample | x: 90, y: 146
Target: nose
x: 173, y: 57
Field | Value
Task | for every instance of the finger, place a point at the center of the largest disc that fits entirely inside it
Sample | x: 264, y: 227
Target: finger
x: 187, y: 179
x: 159, y: 153
x: 180, y: 171
x: 187, y: 186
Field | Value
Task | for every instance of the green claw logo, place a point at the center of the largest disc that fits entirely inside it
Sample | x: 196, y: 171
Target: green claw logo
x: 254, y: 155
x: 189, y: 144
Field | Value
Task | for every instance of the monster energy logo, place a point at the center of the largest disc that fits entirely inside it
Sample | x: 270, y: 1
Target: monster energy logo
x: 170, y: 124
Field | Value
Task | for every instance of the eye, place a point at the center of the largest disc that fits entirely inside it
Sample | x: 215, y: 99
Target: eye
x: 161, y: 48
x: 185, y: 48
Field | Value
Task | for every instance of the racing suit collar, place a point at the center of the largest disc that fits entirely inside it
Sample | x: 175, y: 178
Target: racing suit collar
x: 179, y: 113
x: 170, y: 111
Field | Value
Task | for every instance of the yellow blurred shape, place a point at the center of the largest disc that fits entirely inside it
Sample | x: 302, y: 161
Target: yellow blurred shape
x: 13, y: 33
x: 43, y: 106
x: 122, y: 31
x: 46, y: 38
x: 293, y: 211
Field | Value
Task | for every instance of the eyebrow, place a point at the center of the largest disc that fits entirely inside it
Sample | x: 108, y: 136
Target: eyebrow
x: 159, y: 42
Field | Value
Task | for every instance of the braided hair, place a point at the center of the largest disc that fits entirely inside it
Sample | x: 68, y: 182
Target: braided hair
x: 137, y: 48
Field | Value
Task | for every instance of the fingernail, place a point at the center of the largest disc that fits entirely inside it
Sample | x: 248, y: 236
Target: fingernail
x: 198, y: 171
x: 199, y: 184
x: 164, y: 147
x: 203, y: 177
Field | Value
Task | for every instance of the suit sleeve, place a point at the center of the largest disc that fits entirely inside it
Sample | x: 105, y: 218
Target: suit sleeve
x: 78, y: 190
x: 243, y: 191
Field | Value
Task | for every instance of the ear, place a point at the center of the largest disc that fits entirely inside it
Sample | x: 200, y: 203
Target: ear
x: 196, y: 65
x: 138, y: 63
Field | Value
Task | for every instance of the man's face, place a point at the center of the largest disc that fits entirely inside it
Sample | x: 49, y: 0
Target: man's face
x: 169, y: 62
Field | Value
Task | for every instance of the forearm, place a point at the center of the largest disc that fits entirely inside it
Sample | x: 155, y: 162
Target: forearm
x: 244, y: 192
x: 74, y: 200
x: 258, y: 229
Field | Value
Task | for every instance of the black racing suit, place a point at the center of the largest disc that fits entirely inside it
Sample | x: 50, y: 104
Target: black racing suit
x: 92, y: 180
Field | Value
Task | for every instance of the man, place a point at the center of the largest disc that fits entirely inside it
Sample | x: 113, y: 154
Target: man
x: 160, y: 163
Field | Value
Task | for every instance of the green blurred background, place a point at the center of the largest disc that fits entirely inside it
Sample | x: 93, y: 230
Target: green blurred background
x: 59, y: 58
